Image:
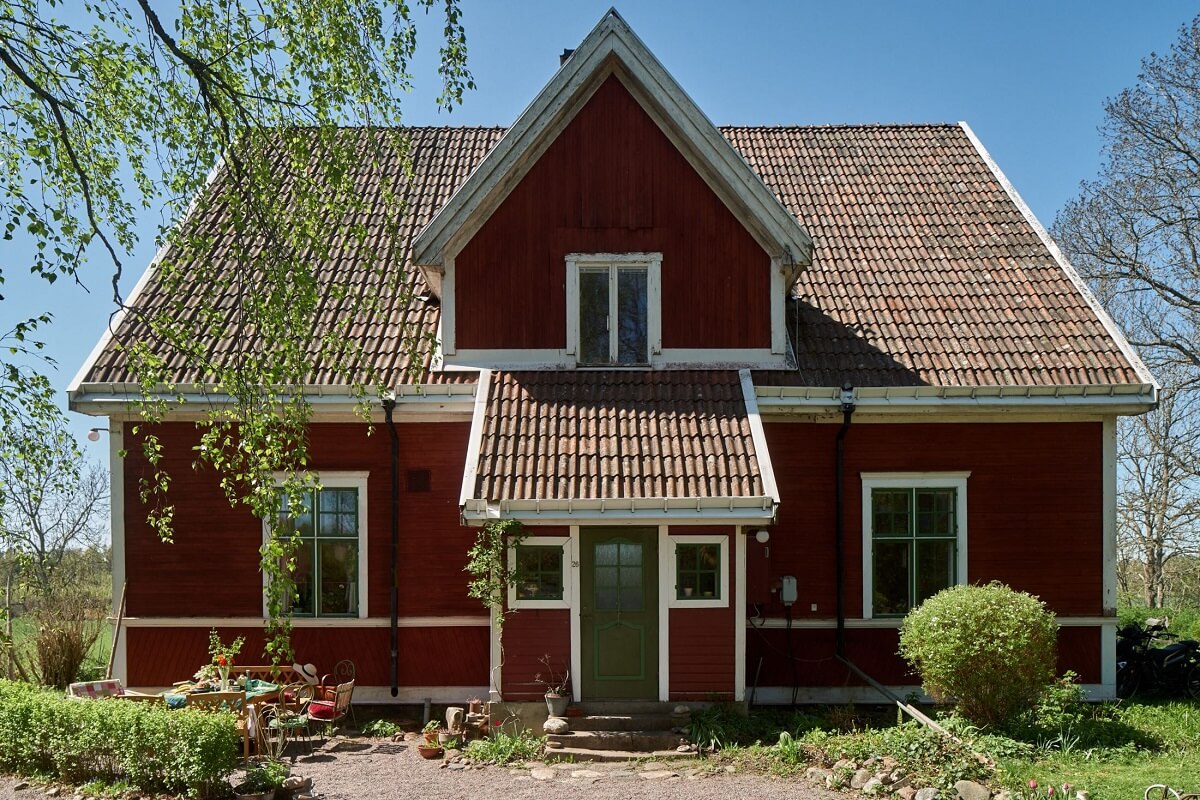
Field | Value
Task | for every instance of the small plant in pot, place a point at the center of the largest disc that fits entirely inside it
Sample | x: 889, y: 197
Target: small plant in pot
x: 430, y: 732
x: 557, y: 687
x: 262, y: 781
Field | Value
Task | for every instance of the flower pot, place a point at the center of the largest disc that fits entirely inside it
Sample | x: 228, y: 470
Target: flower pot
x: 430, y: 751
x: 431, y: 738
x: 445, y: 737
x: 556, y: 704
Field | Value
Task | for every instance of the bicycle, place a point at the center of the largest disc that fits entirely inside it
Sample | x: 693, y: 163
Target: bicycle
x: 1160, y: 791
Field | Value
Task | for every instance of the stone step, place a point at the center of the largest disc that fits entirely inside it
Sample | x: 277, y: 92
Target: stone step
x: 626, y: 722
x: 634, y: 741
x: 581, y: 754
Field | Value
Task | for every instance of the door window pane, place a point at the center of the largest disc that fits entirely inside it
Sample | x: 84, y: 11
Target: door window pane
x: 593, y: 316
x: 632, y: 316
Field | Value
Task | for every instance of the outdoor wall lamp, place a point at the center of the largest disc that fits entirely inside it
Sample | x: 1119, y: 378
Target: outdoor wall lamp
x: 94, y: 434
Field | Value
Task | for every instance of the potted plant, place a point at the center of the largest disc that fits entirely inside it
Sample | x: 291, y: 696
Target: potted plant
x: 223, y: 655
x: 429, y: 750
x: 262, y: 781
x: 430, y: 732
x: 557, y: 696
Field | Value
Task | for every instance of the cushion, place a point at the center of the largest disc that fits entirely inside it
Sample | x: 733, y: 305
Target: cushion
x: 322, y: 709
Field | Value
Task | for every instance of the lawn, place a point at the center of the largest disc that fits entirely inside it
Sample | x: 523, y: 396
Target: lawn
x: 97, y: 658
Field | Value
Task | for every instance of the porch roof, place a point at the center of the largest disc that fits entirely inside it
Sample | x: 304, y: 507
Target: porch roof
x: 661, y: 443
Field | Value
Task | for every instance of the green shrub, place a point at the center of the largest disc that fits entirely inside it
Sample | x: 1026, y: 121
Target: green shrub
x: 503, y: 747
x: 77, y: 741
x: 990, y: 649
x: 1185, y: 622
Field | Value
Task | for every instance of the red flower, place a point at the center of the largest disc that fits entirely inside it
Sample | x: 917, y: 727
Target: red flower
x: 1050, y: 791
x: 222, y: 661
x: 1032, y: 783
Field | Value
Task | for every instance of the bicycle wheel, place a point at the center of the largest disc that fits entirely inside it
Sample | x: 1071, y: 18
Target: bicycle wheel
x: 1192, y: 682
x: 1128, y: 681
x: 1160, y: 792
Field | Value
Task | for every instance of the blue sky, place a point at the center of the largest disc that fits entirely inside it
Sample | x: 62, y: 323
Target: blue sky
x: 1030, y: 78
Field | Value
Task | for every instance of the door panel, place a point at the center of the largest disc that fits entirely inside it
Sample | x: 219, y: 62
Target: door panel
x: 618, y: 611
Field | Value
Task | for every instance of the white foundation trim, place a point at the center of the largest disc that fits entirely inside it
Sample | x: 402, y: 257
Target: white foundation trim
x: 739, y: 616
x: 828, y: 695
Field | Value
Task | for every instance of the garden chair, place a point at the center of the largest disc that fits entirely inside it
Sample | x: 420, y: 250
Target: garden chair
x: 331, y: 712
x: 234, y: 702
x: 343, y: 672
x: 94, y: 690
x: 289, y: 717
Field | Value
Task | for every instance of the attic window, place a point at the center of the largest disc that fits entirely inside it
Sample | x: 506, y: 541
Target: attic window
x: 613, y: 308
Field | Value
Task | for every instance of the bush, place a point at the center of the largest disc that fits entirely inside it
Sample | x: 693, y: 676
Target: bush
x: 989, y: 648
x: 503, y: 747
x: 150, y: 747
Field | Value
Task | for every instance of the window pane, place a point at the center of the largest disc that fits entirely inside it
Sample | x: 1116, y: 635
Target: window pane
x: 539, y: 572
x: 593, y: 317
x: 631, y: 554
x: 890, y: 589
x: 632, y: 316
x: 935, y: 512
x: 338, y: 512
x: 303, y: 578
x: 606, y: 554
x: 935, y: 567
x: 296, y: 519
x: 337, y: 572
x: 890, y: 512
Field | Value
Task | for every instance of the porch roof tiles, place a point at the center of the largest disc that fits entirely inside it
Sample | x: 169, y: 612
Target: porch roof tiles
x: 616, y: 435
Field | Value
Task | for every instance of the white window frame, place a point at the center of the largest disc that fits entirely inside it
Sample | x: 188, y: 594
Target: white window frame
x: 910, y: 480
x: 673, y: 601
x: 652, y: 262
x: 543, y: 541
x: 337, y: 480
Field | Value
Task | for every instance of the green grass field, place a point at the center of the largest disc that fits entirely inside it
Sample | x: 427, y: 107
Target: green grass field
x: 97, y: 658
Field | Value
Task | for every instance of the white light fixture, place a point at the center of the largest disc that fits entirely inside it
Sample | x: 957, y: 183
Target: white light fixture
x: 762, y: 536
x: 94, y: 434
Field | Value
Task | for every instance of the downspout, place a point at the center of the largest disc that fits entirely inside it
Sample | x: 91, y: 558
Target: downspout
x: 839, y: 546
x: 389, y: 405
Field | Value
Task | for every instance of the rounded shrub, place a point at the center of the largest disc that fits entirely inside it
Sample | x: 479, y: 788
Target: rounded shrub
x: 990, y: 649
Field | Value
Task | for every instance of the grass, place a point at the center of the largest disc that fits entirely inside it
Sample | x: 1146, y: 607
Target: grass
x: 97, y: 657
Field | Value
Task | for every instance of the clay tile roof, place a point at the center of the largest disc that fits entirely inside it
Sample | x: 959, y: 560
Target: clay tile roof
x: 924, y: 269
x: 608, y: 435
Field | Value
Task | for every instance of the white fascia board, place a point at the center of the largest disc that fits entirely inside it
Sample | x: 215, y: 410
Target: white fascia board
x: 727, y: 171
x: 1076, y: 279
x: 105, y: 399
x: 667, y: 358
x: 635, y: 511
x: 117, y: 318
x: 475, y: 437
x: 759, y: 436
x: 1109, y: 399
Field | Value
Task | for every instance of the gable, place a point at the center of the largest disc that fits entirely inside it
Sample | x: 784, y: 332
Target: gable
x: 612, y: 182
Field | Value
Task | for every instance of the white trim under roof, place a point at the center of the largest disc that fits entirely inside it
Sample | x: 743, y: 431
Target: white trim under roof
x: 1080, y: 285
x: 762, y: 453
x: 627, y: 511
x: 475, y: 438
x: 612, y: 48
x: 1108, y: 399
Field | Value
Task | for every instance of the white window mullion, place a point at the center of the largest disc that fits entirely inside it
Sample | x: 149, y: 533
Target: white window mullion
x: 612, y: 313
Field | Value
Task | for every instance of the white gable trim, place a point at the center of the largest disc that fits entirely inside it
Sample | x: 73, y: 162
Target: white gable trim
x: 612, y: 48
x: 1080, y: 285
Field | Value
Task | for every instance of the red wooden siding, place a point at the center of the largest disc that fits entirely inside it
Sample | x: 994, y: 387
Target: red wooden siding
x: 211, y: 569
x: 1034, y: 506
x: 612, y: 182
x: 874, y: 651
x: 161, y: 656
x: 529, y: 635
x: 701, y: 640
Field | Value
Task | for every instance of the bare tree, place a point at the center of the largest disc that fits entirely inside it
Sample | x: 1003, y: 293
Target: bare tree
x: 50, y: 505
x: 1134, y: 232
x: 1158, y: 508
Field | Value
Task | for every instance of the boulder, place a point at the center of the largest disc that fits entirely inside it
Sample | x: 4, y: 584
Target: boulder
x: 970, y: 790
x: 817, y: 774
x: 859, y: 779
x: 873, y: 786
x: 556, y: 725
x: 844, y: 763
x: 928, y: 793
x: 906, y: 793
x: 543, y: 774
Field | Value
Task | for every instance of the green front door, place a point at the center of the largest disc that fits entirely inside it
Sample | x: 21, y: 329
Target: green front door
x: 618, y: 613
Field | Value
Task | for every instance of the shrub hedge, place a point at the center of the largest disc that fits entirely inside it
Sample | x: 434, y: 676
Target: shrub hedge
x: 150, y: 747
x: 989, y: 648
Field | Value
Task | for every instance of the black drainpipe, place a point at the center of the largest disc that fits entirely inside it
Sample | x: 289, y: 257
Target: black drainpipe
x: 839, y: 550
x: 389, y: 405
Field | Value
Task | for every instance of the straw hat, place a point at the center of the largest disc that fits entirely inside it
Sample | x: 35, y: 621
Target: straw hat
x: 306, y: 671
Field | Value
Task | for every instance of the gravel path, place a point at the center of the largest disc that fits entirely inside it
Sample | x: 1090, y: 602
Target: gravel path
x: 383, y: 770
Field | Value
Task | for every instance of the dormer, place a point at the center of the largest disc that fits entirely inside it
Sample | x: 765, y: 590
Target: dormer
x: 612, y: 226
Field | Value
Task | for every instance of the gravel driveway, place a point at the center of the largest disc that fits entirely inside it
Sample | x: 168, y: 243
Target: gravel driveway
x: 362, y: 769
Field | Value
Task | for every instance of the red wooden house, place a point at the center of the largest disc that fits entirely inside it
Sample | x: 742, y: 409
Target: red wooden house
x: 754, y: 392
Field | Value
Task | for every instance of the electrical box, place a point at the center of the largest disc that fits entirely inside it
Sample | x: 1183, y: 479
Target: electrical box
x: 787, y: 590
